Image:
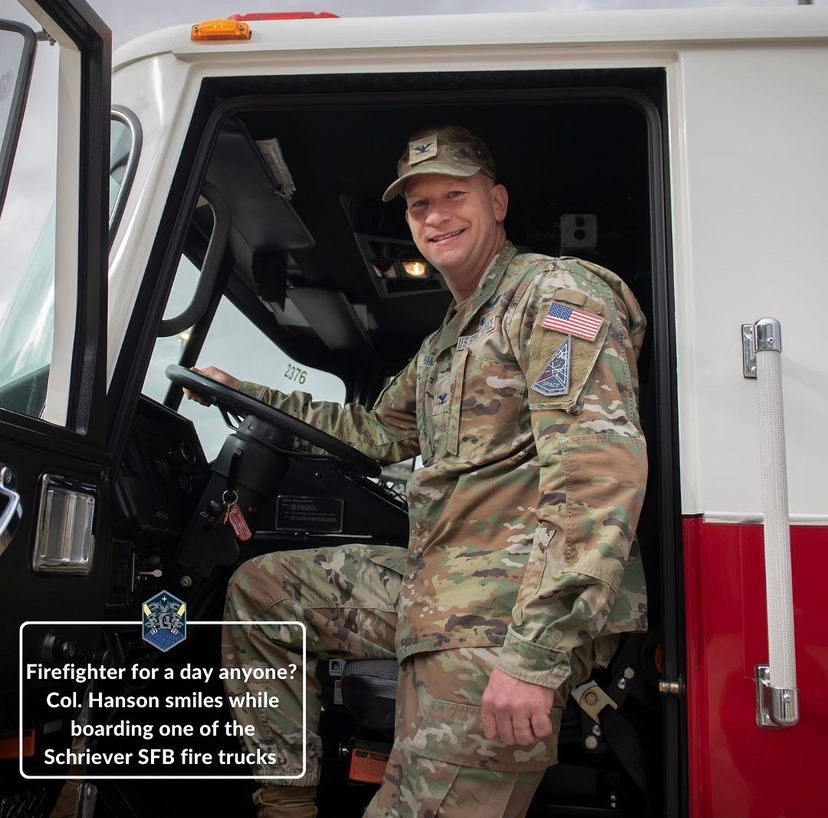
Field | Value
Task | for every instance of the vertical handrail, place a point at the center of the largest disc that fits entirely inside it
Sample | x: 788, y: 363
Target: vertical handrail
x: 779, y: 678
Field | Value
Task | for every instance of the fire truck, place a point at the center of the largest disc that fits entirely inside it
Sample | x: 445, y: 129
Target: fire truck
x: 216, y: 200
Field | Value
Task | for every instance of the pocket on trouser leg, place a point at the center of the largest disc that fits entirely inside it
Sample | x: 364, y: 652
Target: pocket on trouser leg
x: 490, y: 794
x: 448, y: 768
x: 412, y: 788
x: 440, y: 789
x: 451, y: 731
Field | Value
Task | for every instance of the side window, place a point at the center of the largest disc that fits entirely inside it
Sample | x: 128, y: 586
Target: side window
x: 17, y: 49
x: 27, y: 236
x: 27, y: 314
x: 236, y: 345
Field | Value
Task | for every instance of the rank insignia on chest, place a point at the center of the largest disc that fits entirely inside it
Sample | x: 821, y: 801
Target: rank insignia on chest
x: 554, y: 378
x: 572, y: 321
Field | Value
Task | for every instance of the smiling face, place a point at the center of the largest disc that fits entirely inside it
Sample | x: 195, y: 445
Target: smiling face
x: 457, y: 224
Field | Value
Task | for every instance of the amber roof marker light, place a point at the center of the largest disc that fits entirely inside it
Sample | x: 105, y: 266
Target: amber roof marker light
x: 212, y: 31
x: 236, y: 27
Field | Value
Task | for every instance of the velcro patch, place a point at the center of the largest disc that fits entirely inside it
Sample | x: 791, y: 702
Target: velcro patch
x: 559, y: 354
x: 422, y: 149
x: 555, y: 376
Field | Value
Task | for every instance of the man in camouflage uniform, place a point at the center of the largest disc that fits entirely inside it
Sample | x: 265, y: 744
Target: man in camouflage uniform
x: 522, y: 567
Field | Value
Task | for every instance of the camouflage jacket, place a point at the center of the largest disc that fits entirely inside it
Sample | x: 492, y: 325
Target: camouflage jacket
x: 523, y: 406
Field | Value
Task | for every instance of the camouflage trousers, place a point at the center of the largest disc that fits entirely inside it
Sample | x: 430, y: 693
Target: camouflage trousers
x: 440, y: 761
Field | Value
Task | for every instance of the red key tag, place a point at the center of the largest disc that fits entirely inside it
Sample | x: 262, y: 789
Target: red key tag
x: 235, y: 519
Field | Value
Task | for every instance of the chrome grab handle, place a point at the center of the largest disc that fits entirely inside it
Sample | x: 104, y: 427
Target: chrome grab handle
x: 13, y: 510
x: 777, y: 698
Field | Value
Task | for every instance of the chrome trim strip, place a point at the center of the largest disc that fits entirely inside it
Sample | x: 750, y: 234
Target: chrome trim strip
x: 756, y: 518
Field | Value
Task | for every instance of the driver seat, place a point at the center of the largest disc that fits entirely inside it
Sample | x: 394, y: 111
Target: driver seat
x: 369, y: 690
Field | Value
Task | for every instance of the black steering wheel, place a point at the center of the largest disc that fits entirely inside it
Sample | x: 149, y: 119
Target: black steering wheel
x: 232, y: 400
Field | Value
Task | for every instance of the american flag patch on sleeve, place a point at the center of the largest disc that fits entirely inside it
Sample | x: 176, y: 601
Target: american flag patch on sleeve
x: 572, y: 321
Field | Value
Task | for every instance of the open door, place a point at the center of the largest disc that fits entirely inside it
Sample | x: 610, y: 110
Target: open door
x: 54, y: 467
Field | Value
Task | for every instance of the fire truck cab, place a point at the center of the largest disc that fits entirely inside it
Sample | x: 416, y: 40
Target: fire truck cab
x: 217, y: 201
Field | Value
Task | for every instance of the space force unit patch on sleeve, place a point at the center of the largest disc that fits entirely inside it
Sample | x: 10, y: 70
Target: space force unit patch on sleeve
x: 554, y: 378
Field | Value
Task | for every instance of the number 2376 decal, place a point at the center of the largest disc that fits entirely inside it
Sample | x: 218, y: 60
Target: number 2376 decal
x: 293, y: 373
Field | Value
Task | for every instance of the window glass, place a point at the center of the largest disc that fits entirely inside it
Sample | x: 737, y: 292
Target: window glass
x: 28, y: 274
x: 235, y: 345
x: 27, y: 236
x: 17, y: 49
x: 239, y: 347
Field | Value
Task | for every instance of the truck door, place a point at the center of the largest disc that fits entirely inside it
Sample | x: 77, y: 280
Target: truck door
x: 54, y: 465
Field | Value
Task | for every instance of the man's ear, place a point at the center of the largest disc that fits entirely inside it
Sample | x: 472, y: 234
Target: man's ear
x: 500, y: 201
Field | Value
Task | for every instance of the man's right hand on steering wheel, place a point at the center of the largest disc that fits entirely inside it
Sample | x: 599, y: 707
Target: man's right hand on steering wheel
x: 217, y: 375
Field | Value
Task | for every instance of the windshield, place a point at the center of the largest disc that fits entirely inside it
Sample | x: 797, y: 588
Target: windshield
x: 227, y: 345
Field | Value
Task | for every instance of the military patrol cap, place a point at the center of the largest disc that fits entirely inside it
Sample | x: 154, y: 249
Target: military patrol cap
x: 451, y: 150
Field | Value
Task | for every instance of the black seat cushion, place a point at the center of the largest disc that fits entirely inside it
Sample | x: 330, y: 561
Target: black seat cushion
x: 369, y: 689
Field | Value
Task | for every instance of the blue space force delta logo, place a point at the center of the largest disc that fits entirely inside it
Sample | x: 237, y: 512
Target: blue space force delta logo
x: 164, y: 621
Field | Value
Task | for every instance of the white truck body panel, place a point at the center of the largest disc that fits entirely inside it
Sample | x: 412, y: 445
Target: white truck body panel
x: 747, y: 128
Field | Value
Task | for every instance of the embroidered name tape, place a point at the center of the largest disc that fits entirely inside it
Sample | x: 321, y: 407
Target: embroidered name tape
x: 573, y: 321
x: 486, y: 325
